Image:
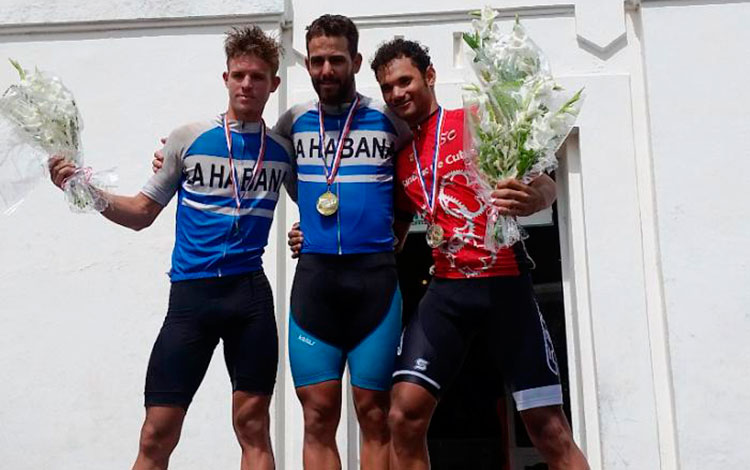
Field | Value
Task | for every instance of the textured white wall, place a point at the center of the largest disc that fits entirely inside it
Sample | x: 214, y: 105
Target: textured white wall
x: 82, y: 299
x: 44, y: 11
x: 613, y: 394
x: 697, y: 69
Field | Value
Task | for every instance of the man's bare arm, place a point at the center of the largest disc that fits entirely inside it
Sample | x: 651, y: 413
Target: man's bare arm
x: 135, y: 212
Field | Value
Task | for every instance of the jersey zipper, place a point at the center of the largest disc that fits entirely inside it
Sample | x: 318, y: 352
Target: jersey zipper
x: 338, y: 217
x: 235, y: 218
x: 338, y: 212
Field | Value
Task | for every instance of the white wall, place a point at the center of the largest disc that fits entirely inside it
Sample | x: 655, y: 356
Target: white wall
x: 82, y: 300
x: 18, y: 12
x: 697, y: 68
x: 654, y: 252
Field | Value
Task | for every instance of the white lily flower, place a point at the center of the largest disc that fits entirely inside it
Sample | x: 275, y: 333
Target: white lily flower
x: 518, y: 121
x: 45, y: 112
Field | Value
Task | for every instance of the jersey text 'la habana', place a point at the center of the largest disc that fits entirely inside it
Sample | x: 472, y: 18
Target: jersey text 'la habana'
x: 213, y: 236
x: 363, y: 222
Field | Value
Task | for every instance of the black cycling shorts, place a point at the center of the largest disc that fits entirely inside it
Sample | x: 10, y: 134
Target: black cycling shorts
x: 500, y: 311
x: 345, y: 308
x: 239, y: 310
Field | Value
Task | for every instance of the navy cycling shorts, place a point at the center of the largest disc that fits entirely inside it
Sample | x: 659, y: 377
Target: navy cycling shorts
x: 500, y: 311
x: 236, y: 309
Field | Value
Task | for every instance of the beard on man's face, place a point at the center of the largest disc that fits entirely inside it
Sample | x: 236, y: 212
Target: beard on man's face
x: 334, y: 95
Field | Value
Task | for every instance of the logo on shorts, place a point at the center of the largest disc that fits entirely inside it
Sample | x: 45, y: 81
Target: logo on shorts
x: 421, y: 364
x: 306, y: 340
x: 400, y: 346
x: 548, y: 345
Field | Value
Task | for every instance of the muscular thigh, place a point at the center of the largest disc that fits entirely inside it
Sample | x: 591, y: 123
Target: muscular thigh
x: 184, y: 347
x: 250, y: 335
x: 435, y: 342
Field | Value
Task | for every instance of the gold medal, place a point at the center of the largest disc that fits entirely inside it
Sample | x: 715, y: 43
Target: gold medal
x: 328, y: 203
x: 435, y: 236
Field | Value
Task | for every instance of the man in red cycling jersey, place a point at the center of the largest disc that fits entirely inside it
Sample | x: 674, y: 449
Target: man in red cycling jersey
x: 474, y: 290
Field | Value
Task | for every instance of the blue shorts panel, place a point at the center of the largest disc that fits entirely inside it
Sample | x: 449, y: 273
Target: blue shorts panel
x: 372, y: 361
x: 312, y: 360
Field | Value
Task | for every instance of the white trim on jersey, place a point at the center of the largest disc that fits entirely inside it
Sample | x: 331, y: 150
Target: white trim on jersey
x: 228, y: 210
x: 537, y: 397
x: 227, y: 192
x: 347, y: 178
x: 207, y: 162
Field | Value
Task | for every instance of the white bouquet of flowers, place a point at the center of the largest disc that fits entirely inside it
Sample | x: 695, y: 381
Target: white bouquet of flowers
x: 517, y: 116
x: 40, y: 119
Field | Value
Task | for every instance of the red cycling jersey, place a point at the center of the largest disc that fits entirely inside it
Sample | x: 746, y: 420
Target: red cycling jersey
x: 460, y: 210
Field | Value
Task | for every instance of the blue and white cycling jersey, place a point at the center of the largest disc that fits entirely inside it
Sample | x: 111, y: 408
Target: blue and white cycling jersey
x: 364, y: 184
x: 213, y: 237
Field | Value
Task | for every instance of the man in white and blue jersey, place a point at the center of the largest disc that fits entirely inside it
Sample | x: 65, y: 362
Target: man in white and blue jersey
x: 345, y: 302
x: 227, y: 173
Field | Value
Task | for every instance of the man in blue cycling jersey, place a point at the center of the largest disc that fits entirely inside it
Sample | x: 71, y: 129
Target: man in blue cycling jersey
x: 227, y: 173
x: 345, y: 302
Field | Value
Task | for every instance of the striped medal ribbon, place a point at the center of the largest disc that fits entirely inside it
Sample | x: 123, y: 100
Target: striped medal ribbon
x: 435, y: 234
x: 233, y: 170
x: 328, y: 202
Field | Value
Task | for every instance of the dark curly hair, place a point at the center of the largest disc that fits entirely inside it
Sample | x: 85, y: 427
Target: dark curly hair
x: 336, y: 26
x: 251, y: 40
x: 397, y: 48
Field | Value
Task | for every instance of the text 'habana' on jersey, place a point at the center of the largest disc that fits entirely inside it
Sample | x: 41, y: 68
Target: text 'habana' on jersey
x: 373, y: 147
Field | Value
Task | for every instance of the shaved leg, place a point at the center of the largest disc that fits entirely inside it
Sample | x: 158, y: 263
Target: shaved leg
x: 550, y: 432
x: 321, y: 406
x: 372, y: 414
x: 159, y: 436
x: 251, y: 425
x: 412, y: 407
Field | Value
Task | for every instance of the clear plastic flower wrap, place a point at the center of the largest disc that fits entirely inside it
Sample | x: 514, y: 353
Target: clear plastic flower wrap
x: 39, y: 119
x: 516, y: 115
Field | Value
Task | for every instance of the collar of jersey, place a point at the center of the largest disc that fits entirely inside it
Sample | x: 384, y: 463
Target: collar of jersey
x: 240, y: 127
x: 336, y: 109
x: 427, y: 126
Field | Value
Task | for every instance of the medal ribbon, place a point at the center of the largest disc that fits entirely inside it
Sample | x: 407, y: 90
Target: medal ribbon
x: 430, y: 197
x: 258, y: 161
x: 343, y: 134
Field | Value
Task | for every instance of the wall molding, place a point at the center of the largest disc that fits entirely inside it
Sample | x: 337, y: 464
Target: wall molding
x: 426, y: 17
x: 262, y: 19
x: 454, y: 16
